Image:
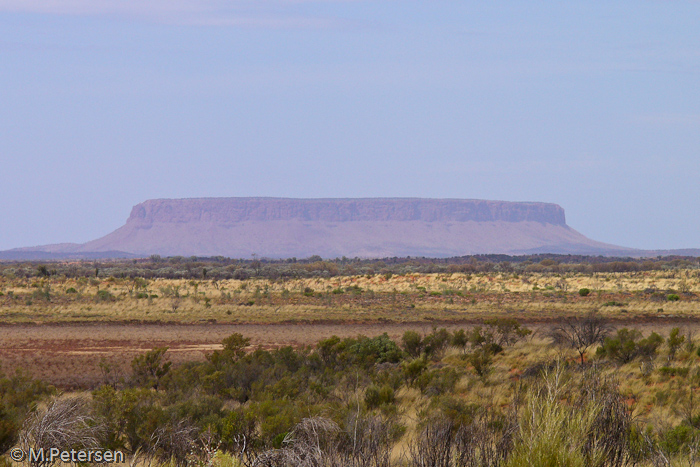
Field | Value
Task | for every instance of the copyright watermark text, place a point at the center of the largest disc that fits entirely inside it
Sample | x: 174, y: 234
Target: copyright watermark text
x: 49, y: 456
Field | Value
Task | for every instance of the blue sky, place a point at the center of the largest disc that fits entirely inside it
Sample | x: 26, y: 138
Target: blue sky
x: 591, y: 105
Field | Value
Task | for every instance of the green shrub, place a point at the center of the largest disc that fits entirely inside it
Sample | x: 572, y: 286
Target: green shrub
x: 674, y: 342
x: 412, y: 343
x: 376, y: 396
x: 584, y: 292
x: 9, y: 430
x: 43, y: 293
x: 506, y: 331
x: 496, y: 334
x: 648, y: 347
x: 460, y: 339
x: 435, y: 343
x: 455, y: 409
x: 71, y: 290
x: 104, y: 296
x: 627, y: 345
x: 234, y: 427
x: 362, y: 351
x: 371, y: 350
x: 43, y: 271
x: 672, y: 297
x: 677, y: 438
x: 438, y: 382
x: 149, y: 368
x: 130, y: 416
x: 622, y: 347
x: 413, y: 369
x: 481, y: 360
x: 275, y: 420
x: 233, y: 350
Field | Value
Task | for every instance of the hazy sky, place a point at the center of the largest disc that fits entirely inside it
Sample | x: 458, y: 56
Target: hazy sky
x: 592, y: 105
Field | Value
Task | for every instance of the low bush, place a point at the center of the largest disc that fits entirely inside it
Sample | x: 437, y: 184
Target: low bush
x: 104, y: 296
x: 376, y: 396
x: 674, y: 371
x: 628, y: 344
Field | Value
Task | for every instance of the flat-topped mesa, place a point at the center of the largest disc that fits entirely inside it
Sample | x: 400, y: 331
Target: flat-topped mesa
x: 332, y: 228
x: 225, y: 211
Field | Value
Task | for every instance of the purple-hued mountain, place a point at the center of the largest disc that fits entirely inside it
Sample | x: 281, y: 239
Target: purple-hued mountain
x: 366, y: 227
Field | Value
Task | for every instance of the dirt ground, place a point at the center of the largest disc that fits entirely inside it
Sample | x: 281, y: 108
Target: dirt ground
x: 70, y: 356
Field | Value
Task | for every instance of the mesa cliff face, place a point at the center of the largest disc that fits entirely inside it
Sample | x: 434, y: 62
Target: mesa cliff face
x: 370, y: 227
x: 236, y: 210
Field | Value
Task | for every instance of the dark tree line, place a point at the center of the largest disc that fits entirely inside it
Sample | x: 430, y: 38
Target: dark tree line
x: 218, y: 268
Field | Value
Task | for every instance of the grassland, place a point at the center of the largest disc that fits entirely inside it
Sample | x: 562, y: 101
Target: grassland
x: 367, y: 298
x: 54, y: 325
x: 82, y: 332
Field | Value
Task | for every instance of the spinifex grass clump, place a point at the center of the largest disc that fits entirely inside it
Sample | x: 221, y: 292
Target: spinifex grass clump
x: 563, y: 423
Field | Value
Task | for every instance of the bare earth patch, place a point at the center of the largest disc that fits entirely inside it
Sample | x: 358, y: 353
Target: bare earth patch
x: 69, y: 355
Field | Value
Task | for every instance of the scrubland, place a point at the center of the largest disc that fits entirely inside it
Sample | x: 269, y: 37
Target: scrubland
x: 410, y: 297
x: 541, y: 364
x: 493, y: 394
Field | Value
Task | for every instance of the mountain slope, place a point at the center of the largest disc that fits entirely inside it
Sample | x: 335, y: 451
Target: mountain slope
x: 368, y: 227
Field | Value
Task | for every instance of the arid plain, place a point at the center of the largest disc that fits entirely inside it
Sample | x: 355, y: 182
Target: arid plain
x: 62, y: 329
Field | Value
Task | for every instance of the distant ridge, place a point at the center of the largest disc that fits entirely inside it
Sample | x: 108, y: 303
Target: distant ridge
x: 43, y: 255
x: 351, y: 227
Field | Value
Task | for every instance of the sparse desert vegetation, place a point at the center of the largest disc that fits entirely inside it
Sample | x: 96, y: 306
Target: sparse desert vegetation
x: 343, y: 291
x: 473, y: 362
x: 493, y: 394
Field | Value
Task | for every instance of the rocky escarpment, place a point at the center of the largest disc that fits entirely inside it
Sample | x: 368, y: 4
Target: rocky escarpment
x: 235, y: 210
x: 371, y: 227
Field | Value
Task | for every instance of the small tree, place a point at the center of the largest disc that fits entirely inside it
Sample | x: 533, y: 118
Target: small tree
x: 627, y: 345
x: 234, y: 349
x: 412, y: 343
x: 150, y: 367
x: 460, y: 339
x: 435, y: 343
x: 506, y: 331
x: 649, y: 346
x: 621, y: 347
x: 481, y: 360
x: 580, y: 333
x: 674, y: 342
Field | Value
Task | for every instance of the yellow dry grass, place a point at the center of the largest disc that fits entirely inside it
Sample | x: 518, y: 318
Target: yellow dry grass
x: 412, y: 297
